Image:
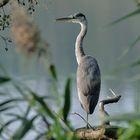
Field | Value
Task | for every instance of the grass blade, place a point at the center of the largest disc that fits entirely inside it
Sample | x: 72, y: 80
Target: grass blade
x: 35, y: 101
x: 23, y: 130
x: 27, y: 112
x: 43, y: 106
x: 20, y: 89
x: 53, y: 71
x: 6, y: 108
x: 137, y: 11
x: 130, y: 47
x: 4, y: 79
x: 136, y: 63
x: 40, y: 136
x: 44, y: 119
x: 17, y: 116
x: 4, y: 126
x: 67, y: 102
x: 10, y: 101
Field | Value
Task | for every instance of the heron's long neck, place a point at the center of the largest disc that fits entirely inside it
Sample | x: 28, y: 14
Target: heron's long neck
x: 79, y: 52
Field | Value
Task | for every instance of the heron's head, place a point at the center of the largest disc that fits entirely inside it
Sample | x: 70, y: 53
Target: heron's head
x: 76, y: 18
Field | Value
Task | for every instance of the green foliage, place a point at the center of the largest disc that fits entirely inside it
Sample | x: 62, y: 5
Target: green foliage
x: 53, y: 71
x: 4, y: 79
x: 38, y: 102
x: 7, y: 104
x: 136, y: 63
x: 54, y: 126
x: 130, y: 47
x: 67, y: 102
x: 57, y: 133
x: 5, y: 125
x: 130, y: 133
x: 24, y: 128
x: 9, y: 101
x: 134, y: 13
x: 130, y: 15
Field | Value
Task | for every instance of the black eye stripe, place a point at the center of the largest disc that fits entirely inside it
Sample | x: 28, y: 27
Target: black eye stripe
x: 79, y: 15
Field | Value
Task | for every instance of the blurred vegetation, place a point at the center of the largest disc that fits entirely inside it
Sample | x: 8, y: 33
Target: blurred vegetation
x: 45, y: 122
x: 132, y: 131
x: 29, y: 111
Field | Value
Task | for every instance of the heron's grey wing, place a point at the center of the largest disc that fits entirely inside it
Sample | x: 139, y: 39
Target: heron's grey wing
x: 88, y: 77
x: 93, y: 99
x: 88, y: 82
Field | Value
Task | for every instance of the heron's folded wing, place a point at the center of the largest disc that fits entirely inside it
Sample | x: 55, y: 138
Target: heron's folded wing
x: 88, y: 78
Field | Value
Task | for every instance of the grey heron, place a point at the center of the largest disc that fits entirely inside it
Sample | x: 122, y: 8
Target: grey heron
x: 88, y: 72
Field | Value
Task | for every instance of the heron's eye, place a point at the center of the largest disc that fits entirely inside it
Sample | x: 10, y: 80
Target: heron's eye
x: 80, y: 15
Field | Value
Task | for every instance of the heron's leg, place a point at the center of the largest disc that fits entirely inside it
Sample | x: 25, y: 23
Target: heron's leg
x: 87, y: 121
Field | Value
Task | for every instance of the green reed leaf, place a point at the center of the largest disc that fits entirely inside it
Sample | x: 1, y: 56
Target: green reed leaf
x: 67, y: 101
x: 43, y: 106
x: 130, y: 47
x: 53, y: 71
x: 4, y: 126
x: 135, y: 63
x: 4, y: 79
x: 25, y: 127
x: 6, y: 108
x: 10, y: 101
x: 136, y: 12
